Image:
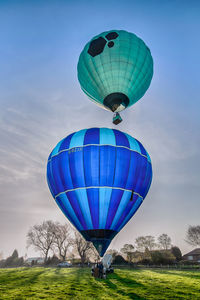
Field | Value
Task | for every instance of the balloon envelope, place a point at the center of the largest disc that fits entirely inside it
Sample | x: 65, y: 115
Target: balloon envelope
x: 99, y: 177
x: 115, y: 69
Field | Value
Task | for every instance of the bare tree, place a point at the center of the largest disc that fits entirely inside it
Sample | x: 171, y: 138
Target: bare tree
x: 42, y: 237
x: 145, y: 242
x: 62, y: 238
x: 128, y: 250
x: 164, y: 241
x: 193, y: 235
x: 82, y: 247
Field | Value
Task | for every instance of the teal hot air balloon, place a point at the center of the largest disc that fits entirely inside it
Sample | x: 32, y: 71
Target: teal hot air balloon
x: 115, y: 69
x: 99, y: 177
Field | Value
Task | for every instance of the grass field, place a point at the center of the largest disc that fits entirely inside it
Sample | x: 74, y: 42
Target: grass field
x: 74, y: 283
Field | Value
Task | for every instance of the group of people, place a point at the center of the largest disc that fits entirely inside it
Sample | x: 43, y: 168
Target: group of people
x: 98, y: 271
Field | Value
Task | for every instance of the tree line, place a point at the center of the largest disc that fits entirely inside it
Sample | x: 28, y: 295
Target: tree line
x: 12, y: 261
x: 57, y: 242
x: 147, y: 250
x: 63, y: 241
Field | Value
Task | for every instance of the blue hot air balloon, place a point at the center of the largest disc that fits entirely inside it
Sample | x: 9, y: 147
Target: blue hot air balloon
x: 99, y: 177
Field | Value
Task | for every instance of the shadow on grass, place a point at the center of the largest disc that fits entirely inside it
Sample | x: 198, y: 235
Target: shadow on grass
x: 187, y: 273
x: 74, y: 282
x: 121, y: 284
x: 180, y: 273
x: 27, y: 279
x: 21, y: 278
x: 82, y: 277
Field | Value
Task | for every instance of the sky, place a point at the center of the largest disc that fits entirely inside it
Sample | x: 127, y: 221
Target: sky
x: 41, y: 102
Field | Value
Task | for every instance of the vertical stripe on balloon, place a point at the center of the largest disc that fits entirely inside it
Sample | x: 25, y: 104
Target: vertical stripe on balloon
x: 131, y: 209
x: 104, y: 201
x: 123, y: 203
x: 65, y: 206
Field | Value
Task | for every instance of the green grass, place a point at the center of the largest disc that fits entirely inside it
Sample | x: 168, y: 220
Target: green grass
x: 74, y: 283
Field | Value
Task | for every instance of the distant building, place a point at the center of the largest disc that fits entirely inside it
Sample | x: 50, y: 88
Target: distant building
x: 35, y: 260
x: 193, y: 255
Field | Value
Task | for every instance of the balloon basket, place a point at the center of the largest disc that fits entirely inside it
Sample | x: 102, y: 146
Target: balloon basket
x: 117, y: 119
